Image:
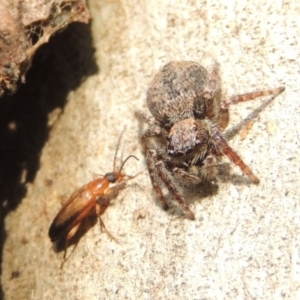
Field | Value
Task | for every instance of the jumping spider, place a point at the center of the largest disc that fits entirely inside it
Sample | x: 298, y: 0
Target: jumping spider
x: 189, y: 117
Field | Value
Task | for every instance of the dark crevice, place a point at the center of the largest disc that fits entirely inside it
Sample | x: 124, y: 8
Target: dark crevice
x: 57, y: 68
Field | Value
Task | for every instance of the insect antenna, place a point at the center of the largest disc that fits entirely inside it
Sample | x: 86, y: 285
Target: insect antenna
x: 117, y: 150
x: 127, y: 158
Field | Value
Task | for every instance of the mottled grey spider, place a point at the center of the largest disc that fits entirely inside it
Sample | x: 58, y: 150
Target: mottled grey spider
x: 184, y: 140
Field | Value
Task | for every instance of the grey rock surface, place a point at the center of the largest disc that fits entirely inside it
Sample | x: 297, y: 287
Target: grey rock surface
x: 244, y: 243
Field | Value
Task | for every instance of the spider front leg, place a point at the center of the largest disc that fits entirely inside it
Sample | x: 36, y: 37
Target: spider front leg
x: 151, y: 158
x: 155, y: 131
x: 224, y: 148
x: 157, y: 169
x: 164, y: 176
x: 252, y: 95
x: 224, y: 113
x: 196, y: 174
x: 209, y: 169
x: 186, y: 176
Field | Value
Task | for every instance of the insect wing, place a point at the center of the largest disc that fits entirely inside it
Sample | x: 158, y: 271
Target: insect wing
x: 70, y: 214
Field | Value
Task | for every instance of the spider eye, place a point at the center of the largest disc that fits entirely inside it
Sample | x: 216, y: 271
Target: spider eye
x: 199, y: 142
x: 189, y: 150
x: 176, y: 154
x: 195, y: 128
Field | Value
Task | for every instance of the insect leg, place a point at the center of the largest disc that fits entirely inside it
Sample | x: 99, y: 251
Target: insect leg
x: 68, y: 237
x: 101, y: 206
x: 102, y: 226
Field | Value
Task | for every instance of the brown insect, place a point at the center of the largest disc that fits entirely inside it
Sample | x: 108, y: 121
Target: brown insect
x: 94, y: 196
x: 184, y: 141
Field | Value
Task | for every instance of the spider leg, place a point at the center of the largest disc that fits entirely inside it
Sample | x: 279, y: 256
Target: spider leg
x: 155, y: 131
x: 209, y: 169
x: 224, y: 113
x: 214, y: 77
x: 196, y: 174
x: 213, y: 93
x: 151, y: 157
x: 223, y: 118
x: 144, y: 117
x: 222, y: 144
x: 251, y: 96
x: 152, y: 172
x: 186, y: 176
x: 163, y: 175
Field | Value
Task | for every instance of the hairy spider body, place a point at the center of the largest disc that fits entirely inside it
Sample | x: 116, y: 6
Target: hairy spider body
x: 183, y: 90
x: 184, y: 141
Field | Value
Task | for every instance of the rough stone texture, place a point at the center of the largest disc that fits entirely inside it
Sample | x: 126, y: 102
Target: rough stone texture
x: 244, y: 243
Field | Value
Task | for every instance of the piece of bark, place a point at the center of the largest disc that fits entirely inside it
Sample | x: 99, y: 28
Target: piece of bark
x: 24, y: 27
